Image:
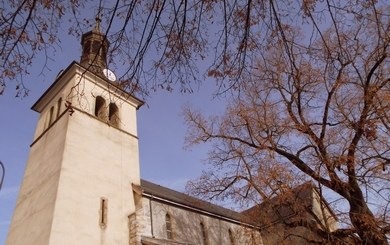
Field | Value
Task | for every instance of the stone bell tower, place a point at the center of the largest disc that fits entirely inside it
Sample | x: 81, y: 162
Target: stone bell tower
x: 83, y: 159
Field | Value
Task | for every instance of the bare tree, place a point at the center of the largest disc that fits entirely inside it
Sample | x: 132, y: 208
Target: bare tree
x: 315, y: 107
x: 311, y: 79
x: 156, y: 43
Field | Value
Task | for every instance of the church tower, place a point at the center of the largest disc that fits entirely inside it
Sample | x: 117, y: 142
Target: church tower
x: 83, y: 159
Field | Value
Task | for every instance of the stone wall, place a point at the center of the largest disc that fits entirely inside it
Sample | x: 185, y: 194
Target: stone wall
x: 186, y: 226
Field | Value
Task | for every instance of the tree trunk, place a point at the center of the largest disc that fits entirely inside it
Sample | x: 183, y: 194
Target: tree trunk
x: 364, y: 221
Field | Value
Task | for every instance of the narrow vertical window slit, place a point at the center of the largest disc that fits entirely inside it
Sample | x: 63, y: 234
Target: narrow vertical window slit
x: 103, y: 213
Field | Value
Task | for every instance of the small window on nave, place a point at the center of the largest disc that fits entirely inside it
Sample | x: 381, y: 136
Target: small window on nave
x: 253, y: 239
x: 203, y: 234
x: 231, y: 237
x: 168, y: 224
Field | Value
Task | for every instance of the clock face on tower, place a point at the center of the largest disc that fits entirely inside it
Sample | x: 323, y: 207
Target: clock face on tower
x: 109, y: 74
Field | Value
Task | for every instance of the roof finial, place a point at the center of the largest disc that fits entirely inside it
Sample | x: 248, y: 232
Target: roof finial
x: 97, y: 25
x: 98, y: 19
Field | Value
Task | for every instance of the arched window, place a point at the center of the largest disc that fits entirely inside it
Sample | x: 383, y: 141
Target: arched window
x: 100, y: 108
x: 113, y: 116
x: 104, y: 51
x: 253, y: 240
x: 203, y: 233
x: 95, y: 47
x: 59, y: 102
x: 87, y: 47
x: 231, y: 237
x: 168, y: 224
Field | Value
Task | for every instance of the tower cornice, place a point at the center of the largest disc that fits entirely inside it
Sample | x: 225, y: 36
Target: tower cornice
x: 77, y: 68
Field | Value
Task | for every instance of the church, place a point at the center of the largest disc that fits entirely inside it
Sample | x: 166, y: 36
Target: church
x: 82, y: 181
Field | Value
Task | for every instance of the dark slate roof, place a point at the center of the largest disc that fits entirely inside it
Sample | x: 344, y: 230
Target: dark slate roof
x: 295, y: 202
x: 300, y: 197
x: 190, y: 202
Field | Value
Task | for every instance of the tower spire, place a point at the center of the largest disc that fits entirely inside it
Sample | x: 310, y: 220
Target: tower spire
x: 97, y: 24
x: 95, y: 46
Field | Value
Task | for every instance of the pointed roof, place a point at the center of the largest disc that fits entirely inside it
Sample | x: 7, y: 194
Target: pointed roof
x: 95, y: 46
x: 296, y: 202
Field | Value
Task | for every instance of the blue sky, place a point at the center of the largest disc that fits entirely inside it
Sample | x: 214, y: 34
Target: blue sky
x: 161, y: 131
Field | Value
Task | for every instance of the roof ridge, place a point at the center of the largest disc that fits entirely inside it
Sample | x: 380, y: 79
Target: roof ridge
x: 190, y: 201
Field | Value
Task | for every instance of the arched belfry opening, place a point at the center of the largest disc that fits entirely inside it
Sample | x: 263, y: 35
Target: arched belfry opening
x: 113, y: 115
x: 100, y: 108
x: 95, y: 46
